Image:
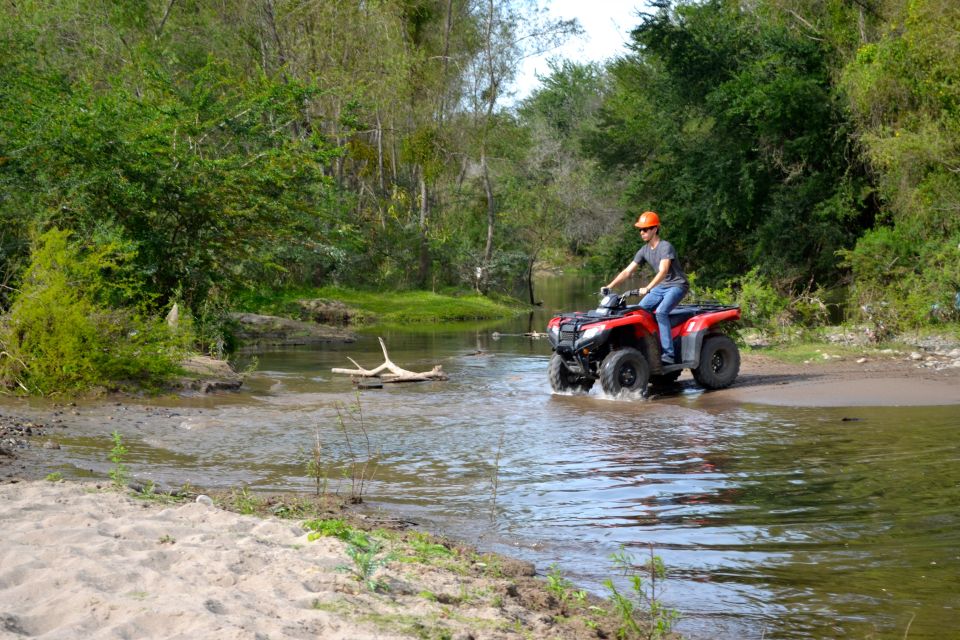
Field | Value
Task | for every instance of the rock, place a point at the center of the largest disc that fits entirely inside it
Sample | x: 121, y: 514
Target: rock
x: 916, y: 356
x: 332, y: 312
x: 173, y: 318
x: 50, y: 444
x: 861, y: 360
x: 256, y: 330
x: 206, y: 374
x: 205, y: 500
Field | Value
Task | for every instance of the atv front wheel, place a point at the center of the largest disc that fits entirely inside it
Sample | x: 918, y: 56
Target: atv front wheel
x: 624, y: 370
x: 719, y: 362
x: 564, y: 380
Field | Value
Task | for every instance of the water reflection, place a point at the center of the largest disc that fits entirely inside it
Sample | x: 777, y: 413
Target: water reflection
x: 773, y: 522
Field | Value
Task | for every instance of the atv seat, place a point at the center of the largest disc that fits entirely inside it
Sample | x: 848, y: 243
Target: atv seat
x: 680, y: 315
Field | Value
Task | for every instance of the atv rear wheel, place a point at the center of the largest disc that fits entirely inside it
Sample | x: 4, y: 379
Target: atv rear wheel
x: 719, y: 362
x: 564, y: 380
x: 624, y: 370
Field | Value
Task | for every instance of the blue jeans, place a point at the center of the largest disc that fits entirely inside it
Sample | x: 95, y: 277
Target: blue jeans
x: 663, y: 299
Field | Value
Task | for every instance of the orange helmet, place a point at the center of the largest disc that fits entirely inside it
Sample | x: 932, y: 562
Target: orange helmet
x: 648, y: 219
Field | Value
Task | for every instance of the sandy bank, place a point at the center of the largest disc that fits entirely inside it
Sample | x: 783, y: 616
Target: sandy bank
x: 81, y: 562
x: 844, y: 382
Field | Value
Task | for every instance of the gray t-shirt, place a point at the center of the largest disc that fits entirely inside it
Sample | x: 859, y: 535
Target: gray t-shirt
x: 675, y: 276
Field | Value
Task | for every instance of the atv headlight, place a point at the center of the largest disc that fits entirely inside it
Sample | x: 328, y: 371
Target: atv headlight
x: 593, y: 331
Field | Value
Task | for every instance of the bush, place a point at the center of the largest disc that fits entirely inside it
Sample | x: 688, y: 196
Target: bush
x: 761, y: 306
x: 904, y: 283
x: 60, y: 335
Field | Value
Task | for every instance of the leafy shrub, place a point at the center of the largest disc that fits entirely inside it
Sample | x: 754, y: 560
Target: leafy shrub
x: 900, y: 283
x: 761, y: 305
x: 60, y: 335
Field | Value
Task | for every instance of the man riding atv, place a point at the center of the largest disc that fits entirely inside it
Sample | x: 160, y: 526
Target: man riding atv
x: 625, y: 346
x: 668, y: 286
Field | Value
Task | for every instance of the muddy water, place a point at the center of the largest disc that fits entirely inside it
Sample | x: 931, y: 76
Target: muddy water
x: 773, y: 522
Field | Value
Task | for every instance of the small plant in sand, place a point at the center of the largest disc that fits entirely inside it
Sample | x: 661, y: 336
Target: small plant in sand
x: 56, y: 476
x: 334, y: 528
x: 368, y: 556
x: 562, y: 589
x: 641, y: 613
x: 245, y: 502
x: 117, y: 456
x: 424, y: 550
x: 365, y: 550
x: 149, y: 492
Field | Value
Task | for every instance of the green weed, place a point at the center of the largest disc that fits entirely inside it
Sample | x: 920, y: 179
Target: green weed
x: 424, y: 550
x: 641, y: 613
x: 117, y: 455
x: 149, y: 492
x: 562, y: 588
x: 56, y: 476
x: 244, y: 502
x: 334, y: 528
x: 368, y: 556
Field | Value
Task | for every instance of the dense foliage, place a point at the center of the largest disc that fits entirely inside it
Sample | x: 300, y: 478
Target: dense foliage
x: 812, y: 144
x: 229, y: 147
x: 62, y: 336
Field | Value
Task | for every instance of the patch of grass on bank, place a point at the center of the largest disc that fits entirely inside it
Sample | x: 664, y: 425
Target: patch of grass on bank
x: 388, y: 307
x: 800, y: 352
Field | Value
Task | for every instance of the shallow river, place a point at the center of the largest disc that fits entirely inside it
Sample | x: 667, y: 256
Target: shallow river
x: 773, y: 522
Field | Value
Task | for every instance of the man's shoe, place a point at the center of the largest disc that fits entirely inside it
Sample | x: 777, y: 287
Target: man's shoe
x: 666, y: 361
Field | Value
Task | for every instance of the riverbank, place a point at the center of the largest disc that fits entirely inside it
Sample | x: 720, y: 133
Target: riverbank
x: 907, y: 379
x: 343, y: 306
x: 83, y: 560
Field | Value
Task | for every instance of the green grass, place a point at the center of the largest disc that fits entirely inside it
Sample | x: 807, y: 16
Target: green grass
x: 799, y: 352
x: 388, y: 307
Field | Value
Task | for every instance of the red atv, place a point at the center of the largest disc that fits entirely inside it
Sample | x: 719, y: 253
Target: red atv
x: 619, y: 344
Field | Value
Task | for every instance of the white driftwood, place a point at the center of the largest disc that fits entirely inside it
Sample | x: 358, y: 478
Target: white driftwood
x: 396, y: 373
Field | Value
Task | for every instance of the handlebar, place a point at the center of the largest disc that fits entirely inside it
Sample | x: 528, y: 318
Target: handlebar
x: 626, y: 294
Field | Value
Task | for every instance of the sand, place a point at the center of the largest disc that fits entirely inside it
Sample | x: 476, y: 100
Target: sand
x: 845, y: 382
x: 81, y: 562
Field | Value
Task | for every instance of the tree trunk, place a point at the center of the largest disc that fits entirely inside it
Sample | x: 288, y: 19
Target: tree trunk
x: 424, y: 270
x: 491, y: 220
x: 530, y: 262
x: 380, y: 155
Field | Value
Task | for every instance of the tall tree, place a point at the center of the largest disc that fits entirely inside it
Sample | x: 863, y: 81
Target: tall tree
x: 732, y: 127
x: 509, y: 32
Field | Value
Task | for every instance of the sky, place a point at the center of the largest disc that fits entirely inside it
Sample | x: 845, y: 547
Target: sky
x: 606, y: 25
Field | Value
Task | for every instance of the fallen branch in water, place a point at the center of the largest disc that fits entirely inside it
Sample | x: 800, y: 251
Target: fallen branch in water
x: 396, y: 373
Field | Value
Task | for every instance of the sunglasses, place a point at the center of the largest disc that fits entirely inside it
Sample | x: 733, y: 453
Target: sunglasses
x: 644, y: 229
